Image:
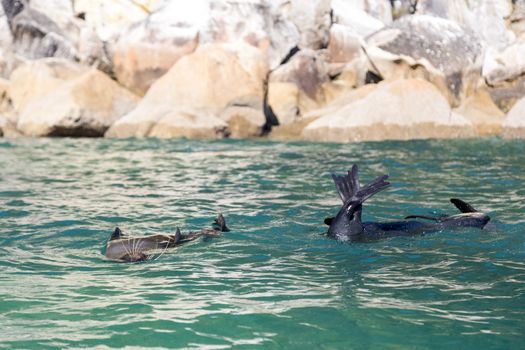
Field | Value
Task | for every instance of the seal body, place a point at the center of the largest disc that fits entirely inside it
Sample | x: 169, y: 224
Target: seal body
x: 133, y: 249
x: 347, y: 224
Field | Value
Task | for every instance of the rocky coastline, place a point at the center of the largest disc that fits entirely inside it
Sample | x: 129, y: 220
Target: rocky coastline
x: 314, y: 70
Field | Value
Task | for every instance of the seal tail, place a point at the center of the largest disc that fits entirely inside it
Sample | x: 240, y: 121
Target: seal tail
x: 366, y: 192
x: 347, y: 185
x: 463, y: 207
x: 220, y: 223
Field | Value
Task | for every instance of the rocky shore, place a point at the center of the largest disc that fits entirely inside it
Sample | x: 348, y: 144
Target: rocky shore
x: 319, y: 70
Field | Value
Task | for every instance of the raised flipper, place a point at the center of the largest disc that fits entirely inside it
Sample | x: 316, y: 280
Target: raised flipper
x: 463, y: 207
x: 178, y: 236
x: 328, y: 221
x: 353, y: 205
x: 347, y: 185
x: 220, y: 224
x: 117, y: 234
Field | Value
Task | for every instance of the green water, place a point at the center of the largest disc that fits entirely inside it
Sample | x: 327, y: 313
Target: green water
x: 272, y: 282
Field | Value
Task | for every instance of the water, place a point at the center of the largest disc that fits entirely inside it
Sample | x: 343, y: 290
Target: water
x: 274, y: 281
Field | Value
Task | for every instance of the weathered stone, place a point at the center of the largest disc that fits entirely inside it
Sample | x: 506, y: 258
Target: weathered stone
x: 431, y: 48
x: 108, y: 18
x: 482, y: 113
x: 506, y: 93
x: 47, y: 31
x: 292, y: 131
x: 401, y: 110
x: 353, y: 17
x: 514, y: 123
x: 505, y: 65
x: 189, y: 124
x: 244, y: 121
x: 148, y: 49
x: 296, y: 87
x: 205, y: 81
x: 312, y: 18
x: 85, y: 106
x: 36, y: 78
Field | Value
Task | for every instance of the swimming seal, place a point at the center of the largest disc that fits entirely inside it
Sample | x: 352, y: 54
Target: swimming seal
x: 347, y: 224
x: 132, y: 249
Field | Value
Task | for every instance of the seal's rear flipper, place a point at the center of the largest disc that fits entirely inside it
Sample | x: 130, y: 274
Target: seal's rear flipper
x: 354, y: 204
x: 178, y: 236
x: 463, y: 207
x: 347, y: 185
x: 117, y: 234
x: 220, y: 224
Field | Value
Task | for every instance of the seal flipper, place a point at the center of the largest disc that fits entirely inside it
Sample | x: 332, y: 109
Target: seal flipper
x: 463, y: 207
x: 117, y: 234
x: 178, y: 236
x: 220, y: 224
x: 328, y: 221
x: 347, y: 185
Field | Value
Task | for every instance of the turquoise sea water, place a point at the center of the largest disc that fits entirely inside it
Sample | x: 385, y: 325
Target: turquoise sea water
x: 274, y: 281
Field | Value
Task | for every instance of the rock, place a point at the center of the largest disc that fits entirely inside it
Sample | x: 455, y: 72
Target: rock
x: 312, y: 18
x: 39, y: 30
x: 481, y: 111
x: 190, y: 125
x: 506, y: 65
x: 84, y: 106
x: 108, y: 18
x: 353, y: 17
x: 297, y: 86
x: 244, y: 121
x: 514, y: 123
x: 36, y: 78
x: 428, y: 47
x: 204, y: 82
x: 398, y: 110
x: 292, y: 131
x: 148, y: 49
x: 345, y: 57
x: 517, y: 18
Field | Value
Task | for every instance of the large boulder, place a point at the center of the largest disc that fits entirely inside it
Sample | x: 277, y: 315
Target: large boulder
x: 398, y: 110
x: 203, y: 83
x: 40, y: 30
x: 36, y: 78
x: 514, y: 123
x: 430, y: 48
x: 84, y: 106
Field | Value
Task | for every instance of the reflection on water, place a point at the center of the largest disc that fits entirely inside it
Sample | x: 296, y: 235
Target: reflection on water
x: 274, y: 281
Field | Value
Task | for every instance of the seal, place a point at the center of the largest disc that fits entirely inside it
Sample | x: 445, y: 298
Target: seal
x: 133, y: 249
x: 347, y: 224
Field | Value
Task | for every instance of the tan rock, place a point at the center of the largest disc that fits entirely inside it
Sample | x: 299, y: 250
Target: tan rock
x: 85, y: 106
x: 244, y: 121
x: 292, y: 131
x: 482, y: 113
x: 36, y: 78
x: 399, y: 110
x: 204, y: 82
x: 297, y: 86
x: 189, y: 125
x: 514, y: 123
